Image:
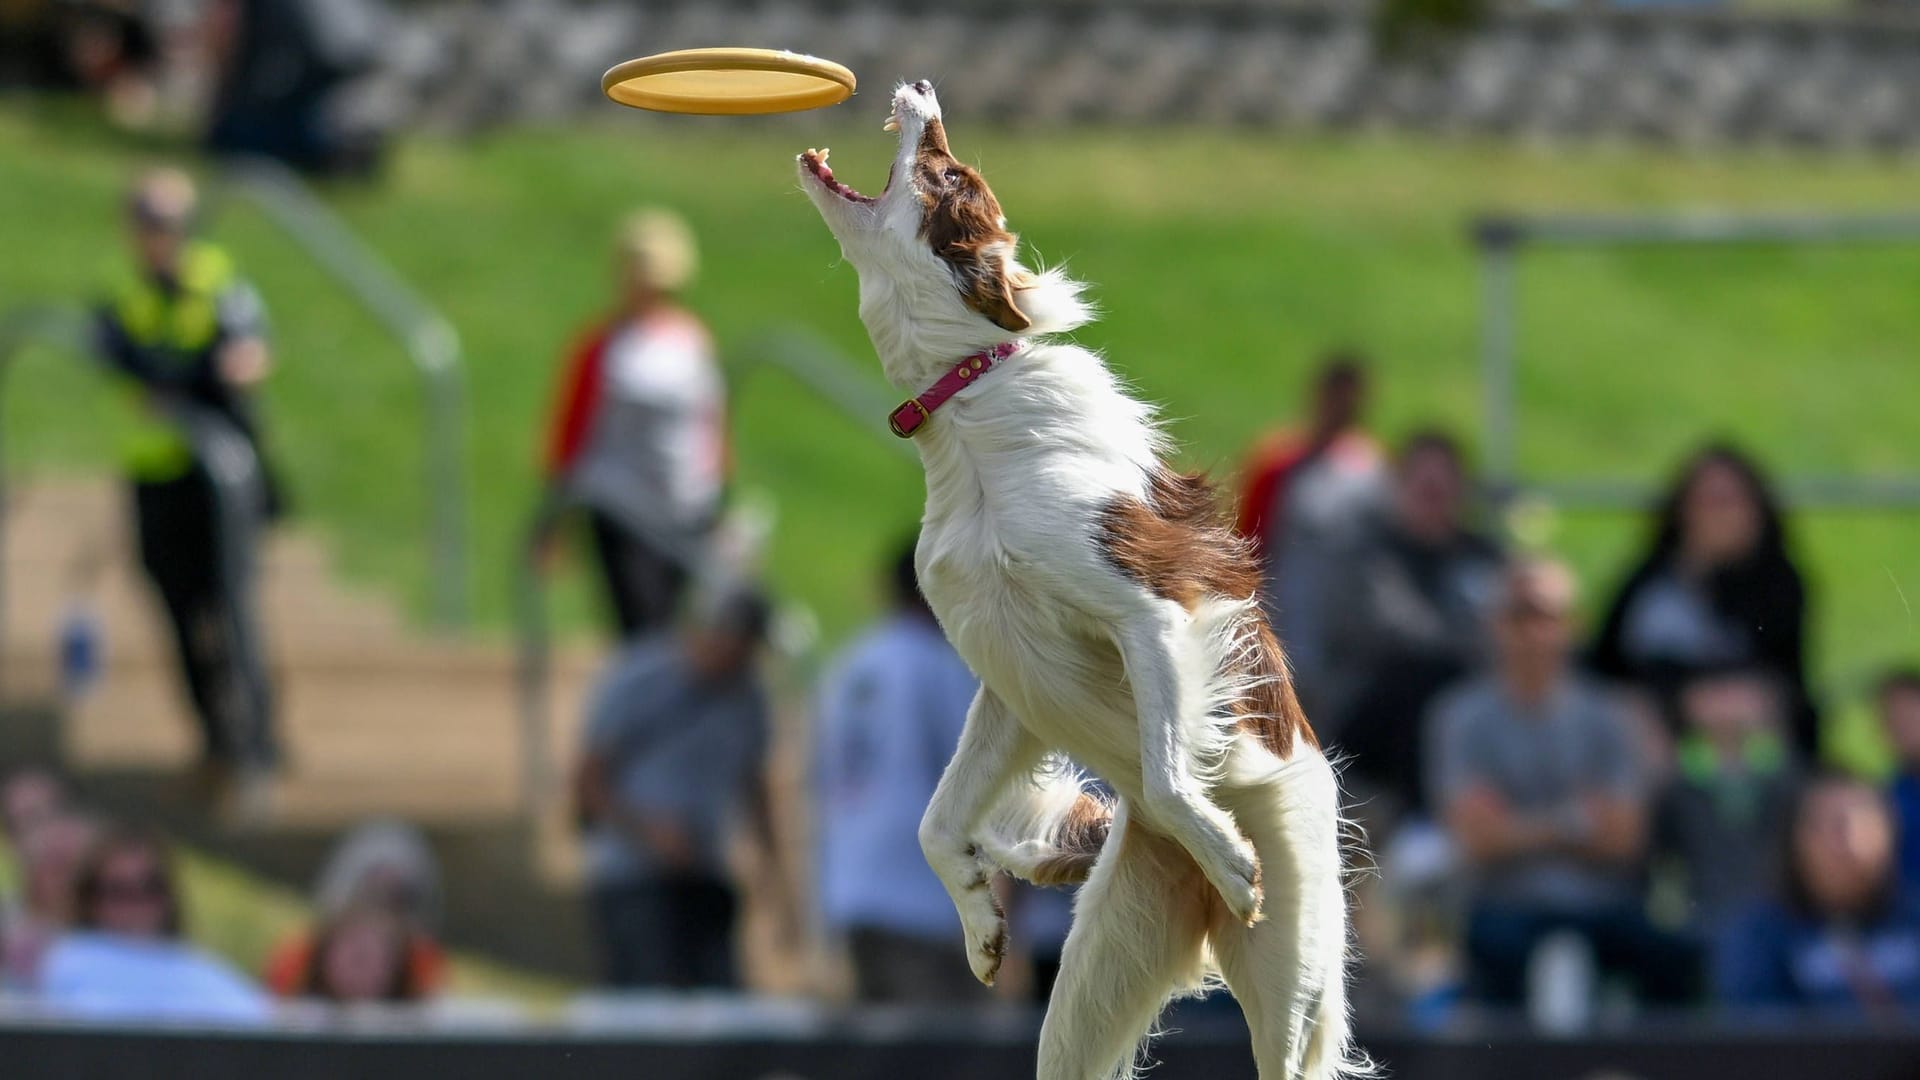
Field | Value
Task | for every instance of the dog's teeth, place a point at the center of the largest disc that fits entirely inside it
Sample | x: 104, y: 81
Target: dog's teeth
x: 892, y: 124
x: 824, y: 151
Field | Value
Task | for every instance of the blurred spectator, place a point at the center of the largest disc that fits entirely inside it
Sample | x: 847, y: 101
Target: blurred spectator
x: 1843, y: 936
x: 1412, y: 619
x: 1305, y: 493
x: 128, y: 961
x: 285, y: 66
x: 1718, y: 588
x: 27, y: 798
x: 638, y: 435
x: 1537, y: 776
x: 384, y: 867
x: 1899, y: 702
x: 368, y: 953
x: 891, y: 710
x: 104, y: 47
x: 185, y: 334
x: 676, y: 747
x: 49, y: 851
x: 1721, y: 817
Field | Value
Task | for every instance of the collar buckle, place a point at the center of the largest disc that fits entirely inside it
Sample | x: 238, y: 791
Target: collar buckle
x: 906, y: 419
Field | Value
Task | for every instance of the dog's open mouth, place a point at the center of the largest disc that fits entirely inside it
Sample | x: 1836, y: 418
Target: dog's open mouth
x: 816, y: 163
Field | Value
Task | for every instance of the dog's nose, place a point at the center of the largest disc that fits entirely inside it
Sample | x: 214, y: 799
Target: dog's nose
x: 923, y: 86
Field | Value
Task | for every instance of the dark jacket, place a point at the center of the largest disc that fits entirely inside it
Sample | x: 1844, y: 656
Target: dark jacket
x: 1764, y: 598
x: 1777, y: 956
x: 1409, y: 621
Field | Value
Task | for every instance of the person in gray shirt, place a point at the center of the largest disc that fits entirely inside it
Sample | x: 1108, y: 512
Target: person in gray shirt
x: 676, y: 750
x: 1538, y: 777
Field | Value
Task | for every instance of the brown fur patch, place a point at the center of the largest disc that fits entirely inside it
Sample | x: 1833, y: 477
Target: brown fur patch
x: 1082, y: 835
x: 961, y: 221
x: 1179, y: 544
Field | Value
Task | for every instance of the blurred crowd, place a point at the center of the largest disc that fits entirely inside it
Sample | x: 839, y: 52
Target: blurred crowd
x: 97, y: 925
x: 1580, y: 820
x: 277, y: 78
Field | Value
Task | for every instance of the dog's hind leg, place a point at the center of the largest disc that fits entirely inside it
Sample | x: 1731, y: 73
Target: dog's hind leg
x: 993, y: 749
x: 1139, y: 930
x: 1288, y: 971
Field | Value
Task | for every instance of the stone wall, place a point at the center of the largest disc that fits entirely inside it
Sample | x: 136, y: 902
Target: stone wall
x: 1672, y: 76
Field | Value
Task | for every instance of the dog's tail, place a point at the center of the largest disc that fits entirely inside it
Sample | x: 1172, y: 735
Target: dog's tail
x: 1049, y: 830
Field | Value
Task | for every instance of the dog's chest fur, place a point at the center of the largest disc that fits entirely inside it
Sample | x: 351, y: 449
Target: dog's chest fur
x: 1044, y: 656
x: 1010, y: 558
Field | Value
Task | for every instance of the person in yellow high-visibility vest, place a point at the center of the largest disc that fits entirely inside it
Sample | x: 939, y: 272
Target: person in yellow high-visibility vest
x: 185, y: 339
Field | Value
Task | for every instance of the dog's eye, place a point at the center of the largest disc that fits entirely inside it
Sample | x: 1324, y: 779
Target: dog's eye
x: 951, y: 176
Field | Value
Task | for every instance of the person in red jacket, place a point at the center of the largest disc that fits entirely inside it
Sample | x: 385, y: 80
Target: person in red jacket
x: 637, y: 436
x: 1303, y: 491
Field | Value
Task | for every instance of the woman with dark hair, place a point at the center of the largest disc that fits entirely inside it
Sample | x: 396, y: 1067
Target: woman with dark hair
x: 1718, y: 590
x: 1841, y: 937
x: 127, y: 960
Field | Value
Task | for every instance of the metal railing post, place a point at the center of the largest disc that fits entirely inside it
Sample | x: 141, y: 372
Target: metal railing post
x: 426, y: 335
x: 1497, y: 241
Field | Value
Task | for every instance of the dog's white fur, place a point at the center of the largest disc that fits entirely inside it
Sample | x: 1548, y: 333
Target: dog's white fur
x: 1080, y: 661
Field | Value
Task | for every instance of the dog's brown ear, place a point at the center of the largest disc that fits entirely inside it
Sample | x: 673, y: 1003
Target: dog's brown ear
x: 992, y: 285
x: 994, y: 298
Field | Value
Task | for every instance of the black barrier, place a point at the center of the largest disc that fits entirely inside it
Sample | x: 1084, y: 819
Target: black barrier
x: 54, y: 1052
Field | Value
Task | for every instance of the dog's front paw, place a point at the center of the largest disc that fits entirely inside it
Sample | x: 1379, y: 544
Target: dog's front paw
x: 1238, y: 883
x: 986, y: 928
x: 987, y: 949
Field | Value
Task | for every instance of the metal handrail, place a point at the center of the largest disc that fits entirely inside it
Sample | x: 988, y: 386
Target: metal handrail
x: 1810, y: 492
x: 815, y: 365
x: 426, y: 335
x: 1500, y: 239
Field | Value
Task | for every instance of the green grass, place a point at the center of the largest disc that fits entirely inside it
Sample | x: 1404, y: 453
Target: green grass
x: 1224, y: 261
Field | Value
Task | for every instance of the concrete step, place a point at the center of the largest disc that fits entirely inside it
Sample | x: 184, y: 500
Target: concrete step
x: 376, y: 717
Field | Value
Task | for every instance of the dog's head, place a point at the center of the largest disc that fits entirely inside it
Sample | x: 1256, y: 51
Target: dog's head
x: 938, y: 269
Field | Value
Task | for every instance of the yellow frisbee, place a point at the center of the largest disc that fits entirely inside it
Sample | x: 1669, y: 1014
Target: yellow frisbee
x: 728, y: 82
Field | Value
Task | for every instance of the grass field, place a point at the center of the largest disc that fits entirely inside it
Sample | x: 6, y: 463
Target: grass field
x: 1224, y: 261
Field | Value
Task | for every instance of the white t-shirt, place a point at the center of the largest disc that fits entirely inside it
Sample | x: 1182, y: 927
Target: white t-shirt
x: 655, y: 453
x: 891, y: 711
x: 94, y: 976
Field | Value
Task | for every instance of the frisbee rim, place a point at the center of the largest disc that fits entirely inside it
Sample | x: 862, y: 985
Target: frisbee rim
x: 837, y: 83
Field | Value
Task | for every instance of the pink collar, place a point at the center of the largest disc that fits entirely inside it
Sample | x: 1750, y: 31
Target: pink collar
x: 916, y: 411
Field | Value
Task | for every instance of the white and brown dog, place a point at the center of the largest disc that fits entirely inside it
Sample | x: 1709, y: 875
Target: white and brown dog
x: 1112, y: 620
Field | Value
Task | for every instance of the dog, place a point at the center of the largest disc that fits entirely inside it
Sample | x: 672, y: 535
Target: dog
x: 1112, y: 619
